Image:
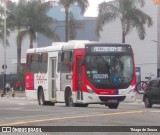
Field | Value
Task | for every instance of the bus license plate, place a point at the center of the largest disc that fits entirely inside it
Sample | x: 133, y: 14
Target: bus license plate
x: 112, y: 101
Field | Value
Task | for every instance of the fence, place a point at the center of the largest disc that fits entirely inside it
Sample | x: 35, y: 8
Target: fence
x: 12, y: 78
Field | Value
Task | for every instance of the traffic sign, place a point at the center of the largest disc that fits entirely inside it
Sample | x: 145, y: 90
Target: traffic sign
x: 4, y: 67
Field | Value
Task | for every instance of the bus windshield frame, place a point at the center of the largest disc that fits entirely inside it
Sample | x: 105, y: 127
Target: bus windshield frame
x: 109, y: 66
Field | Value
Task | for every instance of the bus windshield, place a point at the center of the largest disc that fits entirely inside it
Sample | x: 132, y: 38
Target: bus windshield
x: 110, y: 71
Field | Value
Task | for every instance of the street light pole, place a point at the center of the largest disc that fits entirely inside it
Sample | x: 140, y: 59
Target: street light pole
x: 4, y: 79
x: 157, y: 2
x: 158, y: 43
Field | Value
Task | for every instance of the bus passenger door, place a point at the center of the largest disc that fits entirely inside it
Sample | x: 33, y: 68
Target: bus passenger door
x: 53, y: 77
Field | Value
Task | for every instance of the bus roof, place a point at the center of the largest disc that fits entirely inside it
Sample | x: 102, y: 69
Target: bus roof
x: 57, y: 46
x: 70, y: 45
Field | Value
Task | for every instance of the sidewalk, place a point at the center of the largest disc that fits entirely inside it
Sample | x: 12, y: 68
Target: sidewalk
x: 17, y: 94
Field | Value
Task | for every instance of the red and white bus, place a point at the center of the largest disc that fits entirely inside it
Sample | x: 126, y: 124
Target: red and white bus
x: 79, y: 73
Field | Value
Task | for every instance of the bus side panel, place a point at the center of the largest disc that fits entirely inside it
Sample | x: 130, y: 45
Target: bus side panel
x: 30, y: 91
x: 41, y: 82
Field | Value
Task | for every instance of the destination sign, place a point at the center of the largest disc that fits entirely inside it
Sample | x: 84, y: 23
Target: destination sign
x: 109, y: 49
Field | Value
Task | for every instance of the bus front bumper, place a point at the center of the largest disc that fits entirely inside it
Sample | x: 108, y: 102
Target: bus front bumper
x: 94, y: 98
x: 112, y: 98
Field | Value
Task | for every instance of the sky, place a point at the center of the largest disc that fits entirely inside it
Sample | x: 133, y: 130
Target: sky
x: 92, y: 10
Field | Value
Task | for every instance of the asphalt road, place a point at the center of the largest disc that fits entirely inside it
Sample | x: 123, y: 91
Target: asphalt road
x: 20, y: 111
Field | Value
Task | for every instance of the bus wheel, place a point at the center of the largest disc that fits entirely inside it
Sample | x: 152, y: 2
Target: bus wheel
x: 69, y: 99
x: 41, y: 100
x: 113, y: 106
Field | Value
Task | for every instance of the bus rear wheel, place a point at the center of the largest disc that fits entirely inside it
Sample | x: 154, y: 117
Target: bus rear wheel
x: 69, y: 99
x: 41, y: 100
x: 113, y: 106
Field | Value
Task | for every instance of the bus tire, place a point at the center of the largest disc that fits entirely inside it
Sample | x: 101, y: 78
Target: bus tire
x: 41, y: 99
x: 69, y: 99
x: 113, y: 106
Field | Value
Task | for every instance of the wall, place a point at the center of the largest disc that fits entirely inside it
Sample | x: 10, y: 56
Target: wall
x: 11, y: 53
x: 87, y: 32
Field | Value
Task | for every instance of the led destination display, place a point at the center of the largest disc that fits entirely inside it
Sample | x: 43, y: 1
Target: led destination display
x: 108, y: 49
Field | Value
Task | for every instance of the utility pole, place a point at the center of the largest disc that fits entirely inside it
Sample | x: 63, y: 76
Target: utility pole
x: 157, y: 2
x: 4, y: 44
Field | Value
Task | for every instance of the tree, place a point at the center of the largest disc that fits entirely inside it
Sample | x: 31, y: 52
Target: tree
x: 83, y: 4
x: 129, y: 13
x: 15, y: 20
x: 2, y: 32
x: 28, y: 19
x: 36, y: 20
x: 72, y: 27
x: 8, y: 7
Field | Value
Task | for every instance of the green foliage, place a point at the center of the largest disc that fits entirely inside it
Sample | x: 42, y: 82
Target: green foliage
x: 9, y: 5
x: 83, y: 4
x: 29, y: 18
x: 130, y: 14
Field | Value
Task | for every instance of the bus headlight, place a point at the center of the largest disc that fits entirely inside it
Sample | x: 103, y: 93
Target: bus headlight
x: 132, y: 89
x: 90, y: 90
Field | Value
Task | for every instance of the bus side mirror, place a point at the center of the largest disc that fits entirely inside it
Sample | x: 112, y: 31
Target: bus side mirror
x: 83, y: 62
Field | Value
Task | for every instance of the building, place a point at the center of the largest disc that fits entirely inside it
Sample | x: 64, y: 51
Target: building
x: 85, y: 31
x: 145, y: 51
x: 85, y: 27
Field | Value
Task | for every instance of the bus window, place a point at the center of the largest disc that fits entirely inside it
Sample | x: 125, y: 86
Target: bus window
x: 34, y: 64
x: 44, y: 62
x: 59, y: 61
x: 29, y: 61
x: 65, y: 66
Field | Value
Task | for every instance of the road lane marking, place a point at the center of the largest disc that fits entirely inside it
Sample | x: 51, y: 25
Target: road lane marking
x: 70, y: 117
